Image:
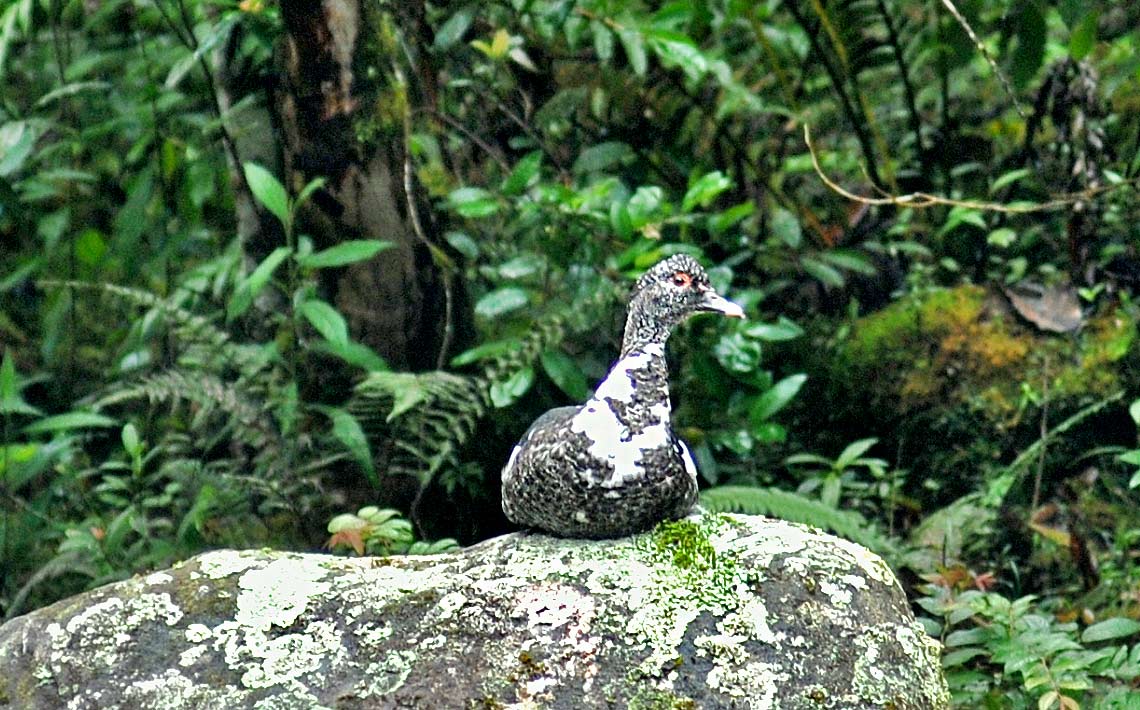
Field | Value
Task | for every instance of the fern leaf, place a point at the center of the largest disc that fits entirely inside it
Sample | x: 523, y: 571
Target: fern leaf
x: 798, y: 509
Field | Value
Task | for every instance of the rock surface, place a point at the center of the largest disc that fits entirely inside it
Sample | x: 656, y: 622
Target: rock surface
x: 708, y: 612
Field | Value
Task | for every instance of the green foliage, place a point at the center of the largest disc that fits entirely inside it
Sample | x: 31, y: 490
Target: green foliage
x: 381, y: 532
x: 999, y: 651
x: 798, y: 509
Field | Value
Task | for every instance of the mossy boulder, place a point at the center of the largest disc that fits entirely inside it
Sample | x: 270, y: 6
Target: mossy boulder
x: 953, y: 380
x: 714, y: 611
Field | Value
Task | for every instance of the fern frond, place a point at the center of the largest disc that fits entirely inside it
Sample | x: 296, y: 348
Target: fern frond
x: 206, y: 340
x: 420, y: 422
x: 798, y: 509
x: 249, y: 421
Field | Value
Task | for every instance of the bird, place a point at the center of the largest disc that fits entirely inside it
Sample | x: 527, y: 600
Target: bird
x: 613, y: 466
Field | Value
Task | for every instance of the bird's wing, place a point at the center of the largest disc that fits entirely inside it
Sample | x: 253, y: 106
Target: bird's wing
x: 557, y: 417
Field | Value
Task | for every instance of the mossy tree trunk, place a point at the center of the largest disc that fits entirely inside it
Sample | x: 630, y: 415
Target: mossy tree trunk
x: 339, y: 112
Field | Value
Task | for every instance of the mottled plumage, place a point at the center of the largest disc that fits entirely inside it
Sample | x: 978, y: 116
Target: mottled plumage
x: 614, y: 466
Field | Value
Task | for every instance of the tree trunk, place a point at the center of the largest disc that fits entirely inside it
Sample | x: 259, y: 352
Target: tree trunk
x: 340, y: 114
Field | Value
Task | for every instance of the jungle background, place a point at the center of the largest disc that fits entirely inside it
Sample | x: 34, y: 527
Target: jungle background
x: 298, y: 274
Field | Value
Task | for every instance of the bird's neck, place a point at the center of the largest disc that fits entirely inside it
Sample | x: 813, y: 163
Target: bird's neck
x: 644, y: 331
x: 637, y: 387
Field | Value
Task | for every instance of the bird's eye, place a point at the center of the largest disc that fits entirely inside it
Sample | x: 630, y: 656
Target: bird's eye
x: 681, y: 279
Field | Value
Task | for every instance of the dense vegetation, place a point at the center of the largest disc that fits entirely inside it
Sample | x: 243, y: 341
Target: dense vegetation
x: 270, y: 274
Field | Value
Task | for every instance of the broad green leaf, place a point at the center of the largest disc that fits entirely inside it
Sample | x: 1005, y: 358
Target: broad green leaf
x: 849, y: 260
x: 504, y: 394
x: 674, y: 49
x: 646, y: 205
x: 72, y: 89
x: 248, y: 289
x: 786, y: 227
x: 308, y: 190
x: 326, y: 320
x: 70, y: 420
x: 10, y: 400
x: 500, y: 301
x: 117, y: 530
x: 1134, y: 412
x: 825, y: 273
x: 344, y: 253
x: 783, y: 329
x: 853, y: 451
x: 601, y: 156
x: 452, y: 31
x: 348, y: 431
x: 132, y: 218
x: 721, y: 222
x: 17, y: 138
x: 354, y: 353
x: 521, y: 266
x: 473, y: 202
x: 268, y: 190
x: 737, y: 353
x: 775, y: 398
x: 603, y: 41
x: 1009, y: 178
x: 524, y: 173
x: 1001, y: 237
x: 633, y: 42
x: 1117, y: 627
x: 566, y: 374
x: 1134, y: 482
x: 705, y: 190
x: 130, y: 438
x: 484, y: 352
x: 463, y: 243
x: 90, y: 247
x: 1083, y: 38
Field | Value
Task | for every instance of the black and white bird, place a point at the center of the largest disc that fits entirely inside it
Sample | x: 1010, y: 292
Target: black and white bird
x: 614, y: 466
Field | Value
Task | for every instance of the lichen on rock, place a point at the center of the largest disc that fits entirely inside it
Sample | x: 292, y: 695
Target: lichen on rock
x: 712, y: 611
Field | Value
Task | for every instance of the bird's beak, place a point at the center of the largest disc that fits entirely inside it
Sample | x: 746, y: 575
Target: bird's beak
x: 715, y: 303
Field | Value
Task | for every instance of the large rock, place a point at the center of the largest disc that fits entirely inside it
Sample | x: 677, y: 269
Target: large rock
x: 719, y: 611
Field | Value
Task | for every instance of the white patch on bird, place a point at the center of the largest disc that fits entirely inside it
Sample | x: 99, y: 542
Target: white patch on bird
x: 610, y: 440
x: 687, y: 457
x: 581, y: 517
x: 509, y: 469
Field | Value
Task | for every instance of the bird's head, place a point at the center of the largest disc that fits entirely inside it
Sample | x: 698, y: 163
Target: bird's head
x: 674, y: 289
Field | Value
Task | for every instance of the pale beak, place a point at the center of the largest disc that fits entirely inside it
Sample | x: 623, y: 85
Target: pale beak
x: 715, y: 303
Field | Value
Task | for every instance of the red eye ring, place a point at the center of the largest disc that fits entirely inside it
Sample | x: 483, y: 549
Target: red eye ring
x: 682, y: 279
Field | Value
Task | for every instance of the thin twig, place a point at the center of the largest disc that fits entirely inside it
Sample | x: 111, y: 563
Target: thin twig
x: 923, y: 199
x: 1044, y: 434
x: 904, y: 74
x: 439, y: 257
x: 985, y: 53
x: 853, y: 118
x: 491, y: 151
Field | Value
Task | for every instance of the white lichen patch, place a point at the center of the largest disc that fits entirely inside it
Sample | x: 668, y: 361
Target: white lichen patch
x: 386, y: 676
x: 446, y: 607
x: 275, y: 595
x: 752, y: 621
x: 286, y: 659
x: 192, y: 655
x: 373, y: 635
x: 223, y: 563
x: 756, y: 684
x: 158, y: 578
x: 197, y: 633
x: 102, y: 632
x: 171, y: 690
